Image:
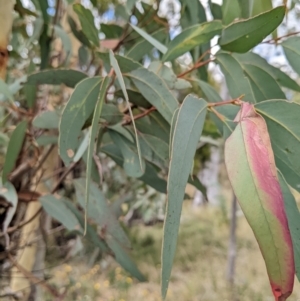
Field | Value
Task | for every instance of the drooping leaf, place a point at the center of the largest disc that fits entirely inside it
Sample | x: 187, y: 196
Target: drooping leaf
x: 150, y: 176
x: 261, y: 6
x: 293, y: 217
x: 79, y: 34
x: 45, y: 140
x: 159, y: 46
x: 126, y: 64
x: 68, y: 77
x: 230, y: 11
x: 57, y: 209
x: 13, y: 149
x: 86, y: 19
x: 243, y: 35
x: 98, y: 210
x: 264, y: 86
x: 216, y: 10
x: 92, y: 137
x: 139, y: 49
x: 155, y: 91
x: 193, y: 12
x: 252, y: 172
x: 123, y: 259
x: 46, y: 120
x: 78, y: 109
x: 246, y: 7
x: 282, y: 118
x: 91, y: 233
x: 291, y: 47
x: 8, y: 192
x: 191, y: 37
x: 188, y: 128
x: 115, y: 66
x: 30, y: 90
x: 254, y: 59
x: 131, y: 163
x: 236, y: 81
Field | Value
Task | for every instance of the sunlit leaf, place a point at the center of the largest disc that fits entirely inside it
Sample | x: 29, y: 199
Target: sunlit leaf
x: 191, y: 37
x: 243, y: 35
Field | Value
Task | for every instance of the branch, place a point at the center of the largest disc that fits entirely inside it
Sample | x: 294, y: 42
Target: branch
x: 196, y: 66
x: 274, y: 41
x: 145, y: 113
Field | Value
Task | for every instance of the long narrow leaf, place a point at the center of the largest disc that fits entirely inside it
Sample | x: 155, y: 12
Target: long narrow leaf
x: 252, y: 172
x: 115, y: 65
x: 187, y: 131
x: 159, y: 46
x: 93, y: 135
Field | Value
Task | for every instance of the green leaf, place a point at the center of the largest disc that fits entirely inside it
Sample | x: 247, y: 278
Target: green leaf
x: 30, y: 90
x: 92, y: 137
x: 159, y: 46
x: 99, y: 211
x: 291, y: 47
x: 143, y: 47
x: 264, y: 86
x: 57, y: 209
x: 261, y: 6
x: 282, y: 118
x: 155, y: 91
x: 126, y: 64
x: 132, y: 164
x: 193, y: 12
x: 14, y: 147
x: 5, y: 92
x: 68, y: 77
x: 82, y: 147
x: 154, y: 149
x: 168, y: 75
x: 123, y: 259
x: 44, y: 6
x: 150, y: 176
x: 78, y: 33
x: 236, y: 81
x: 111, y: 31
x: 8, y: 192
x: 243, y: 35
x: 188, y: 128
x: 46, y: 120
x: 254, y: 59
x: 246, y: 7
x: 191, y: 37
x: 293, y: 216
x: 111, y: 114
x: 173, y: 123
x: 86, y: 19
x: 216, y: 10
x: 91, y: 233
x: 78, y: 109
x: 230, y: 11
x: 115, y: 66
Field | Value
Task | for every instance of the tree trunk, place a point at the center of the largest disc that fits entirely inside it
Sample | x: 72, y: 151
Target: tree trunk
x: 6, y: 20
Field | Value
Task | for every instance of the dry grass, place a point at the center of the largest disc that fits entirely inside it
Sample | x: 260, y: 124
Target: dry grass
x: 199, y: 269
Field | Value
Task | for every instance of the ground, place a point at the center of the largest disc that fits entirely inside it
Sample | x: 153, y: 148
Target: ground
x: 199, y: 269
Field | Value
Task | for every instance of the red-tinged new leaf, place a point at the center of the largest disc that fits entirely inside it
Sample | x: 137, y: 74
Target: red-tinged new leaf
x: 252, y: 172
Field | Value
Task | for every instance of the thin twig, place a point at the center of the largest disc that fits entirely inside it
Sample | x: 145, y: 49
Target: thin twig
x: 196, y: 66
x: 136, y: 117
x: 274, y: 41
